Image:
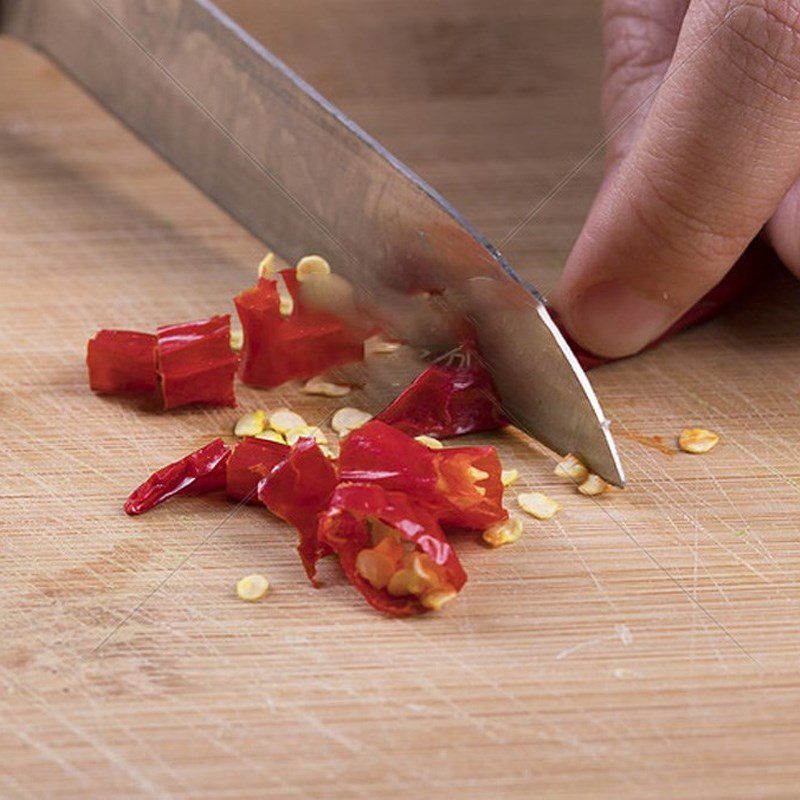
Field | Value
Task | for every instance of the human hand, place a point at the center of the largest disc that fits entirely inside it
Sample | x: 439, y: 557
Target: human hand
x: 699, y: 169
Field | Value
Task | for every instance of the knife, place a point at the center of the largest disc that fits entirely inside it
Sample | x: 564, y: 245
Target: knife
x: 302, y: 177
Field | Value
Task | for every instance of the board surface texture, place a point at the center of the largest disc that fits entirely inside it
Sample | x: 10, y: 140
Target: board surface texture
x: 642, y: 645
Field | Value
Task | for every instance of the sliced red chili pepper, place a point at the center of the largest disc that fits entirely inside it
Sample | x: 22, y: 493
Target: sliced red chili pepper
x: 469, y: 486
x: 460, y: 486
x: 122, y: 362
x: 251, y: 460
x: 297, y: 490
x: 448, y: 400
x: 201, y: 472
x: 278, y: 349
x: 196, y: 363
x: 366, y: 526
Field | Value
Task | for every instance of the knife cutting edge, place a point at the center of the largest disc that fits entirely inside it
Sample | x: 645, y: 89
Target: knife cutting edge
x: 302, y: 177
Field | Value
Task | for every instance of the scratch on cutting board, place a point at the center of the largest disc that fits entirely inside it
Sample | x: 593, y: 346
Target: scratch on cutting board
x: 598, y: 585
x: 621, y: 632
x: 109, y: 755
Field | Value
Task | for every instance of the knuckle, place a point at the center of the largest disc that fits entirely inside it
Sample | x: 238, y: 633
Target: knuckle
x: 764, y: 44
x: 637, y: 40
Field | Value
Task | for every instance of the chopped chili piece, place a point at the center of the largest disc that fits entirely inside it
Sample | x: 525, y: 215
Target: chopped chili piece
x: 470, y: 487
x: 297, y: 347
x: 196, y: 363
x: 251, y: 460
x: 392, y: 550
x: 460, y: 486
x: 201, y: 472
x: 297, y: 490
x: 122, y: 362
x: 448, y: 400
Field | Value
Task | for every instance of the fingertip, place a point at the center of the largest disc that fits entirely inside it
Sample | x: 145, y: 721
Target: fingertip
x: 611, y: 318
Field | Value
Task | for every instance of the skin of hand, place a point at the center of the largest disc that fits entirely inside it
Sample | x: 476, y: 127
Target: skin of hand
x: 707, y: 158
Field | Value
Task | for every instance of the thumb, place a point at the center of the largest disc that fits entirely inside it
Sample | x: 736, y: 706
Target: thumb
x: 711, y: 163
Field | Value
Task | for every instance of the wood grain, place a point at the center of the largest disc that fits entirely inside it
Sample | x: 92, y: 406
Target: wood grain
x: 642, y: 645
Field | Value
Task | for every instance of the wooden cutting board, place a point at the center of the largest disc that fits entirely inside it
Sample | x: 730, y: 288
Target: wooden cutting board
x: 642, y: 645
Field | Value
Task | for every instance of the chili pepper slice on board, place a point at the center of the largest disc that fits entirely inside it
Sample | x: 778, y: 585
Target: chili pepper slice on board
x: 201, y: 472
x: 122, y: 362
x: 448, y: 400
x: 392, y: 550
x: 196, y: 363
x: 251, y: 460
x: 277, y: 349
x: 460, y: 486
x: 296, y: 490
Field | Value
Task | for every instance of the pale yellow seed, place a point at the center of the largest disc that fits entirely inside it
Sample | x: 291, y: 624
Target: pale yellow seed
x: 375, y: 567
x: 285, y: 299
x: 477, y: 474
x: 572, y: 469
x: 538, y: 505
x: 697, y: 440
x: 305, y: 432
x: 283, y: 420
x: 505, y: 532
x: 310, y: 266
x: 250, y: 424
x: 509, y: 476
x: 271, y: 436
x: 252, y: 587
x: 347, y: 419
x: 322, y: 388
x: 593, y: 486
x: 429, y: 441
x: 381, y: 347
x: 436, y: 599
x: 266, y: 269
x: 237, y: 339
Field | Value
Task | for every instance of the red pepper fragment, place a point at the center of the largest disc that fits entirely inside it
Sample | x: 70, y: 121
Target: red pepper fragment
x: 297, y: 490
x: 201, y: 472
x: 391, y: 550
x: 251, y: 460
x: 278, y: 349
x: 196, y: 363
x: 448, y: 400
x: 470, y: 488
x: 122, y: 362
x: 460, y: 486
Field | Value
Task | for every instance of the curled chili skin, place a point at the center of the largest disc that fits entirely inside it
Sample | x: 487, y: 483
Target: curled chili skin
x: 296, y: 490
x: 448, y: 400
x: 122, y: 362
x: 345, y: 527
x: 249, y: 462
x: 444, y: 481
x: 277, y: 349
x: 201, y: 472
x: 196, y: 363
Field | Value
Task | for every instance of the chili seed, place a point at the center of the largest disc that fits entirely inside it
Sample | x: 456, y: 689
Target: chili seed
x: 697, y: 440
x: 538, y: 505
x: 252, y: 587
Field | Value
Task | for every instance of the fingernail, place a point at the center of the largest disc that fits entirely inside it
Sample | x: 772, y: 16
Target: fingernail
x: 612, y: 319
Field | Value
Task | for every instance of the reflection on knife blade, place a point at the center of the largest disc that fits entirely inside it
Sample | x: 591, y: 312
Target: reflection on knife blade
x: 301, y: 176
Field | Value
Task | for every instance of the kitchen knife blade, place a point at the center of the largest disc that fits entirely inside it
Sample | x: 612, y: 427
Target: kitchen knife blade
x: 302, y: 177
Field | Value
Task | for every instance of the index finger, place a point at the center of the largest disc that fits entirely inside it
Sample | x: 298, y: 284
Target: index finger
x: 714, y: 157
